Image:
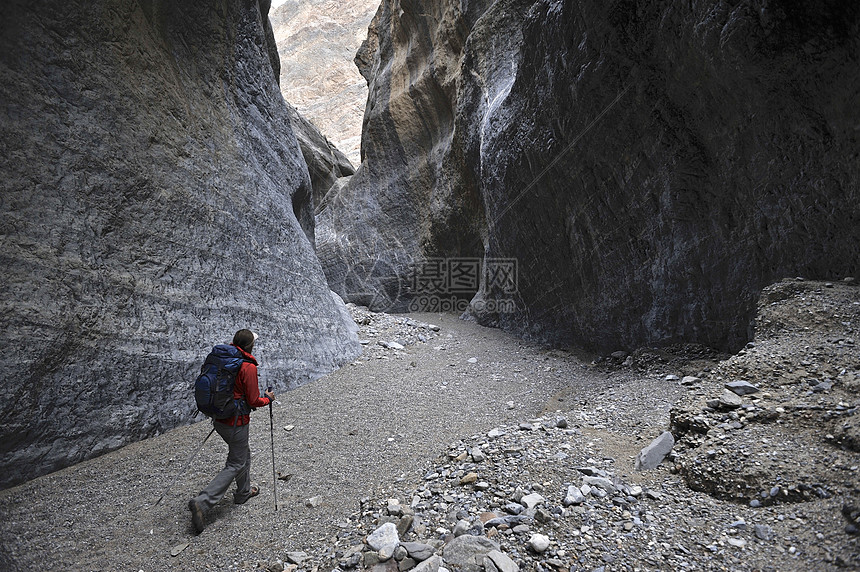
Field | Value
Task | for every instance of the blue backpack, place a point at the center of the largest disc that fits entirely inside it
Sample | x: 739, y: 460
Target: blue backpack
x: 213, y: 388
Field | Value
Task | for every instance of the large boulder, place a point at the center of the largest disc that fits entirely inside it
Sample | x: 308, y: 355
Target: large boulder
x: 151, y: 197
x: 648, y: 169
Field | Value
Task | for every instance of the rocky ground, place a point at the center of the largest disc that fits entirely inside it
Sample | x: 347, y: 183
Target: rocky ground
x: 451, y: 445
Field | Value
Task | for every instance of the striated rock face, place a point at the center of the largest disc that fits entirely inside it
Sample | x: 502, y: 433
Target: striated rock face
x: 411, y: 197
x: 648, y: 168
x: 317, y: 40
x: 326, y: 163
x: 152, y: 194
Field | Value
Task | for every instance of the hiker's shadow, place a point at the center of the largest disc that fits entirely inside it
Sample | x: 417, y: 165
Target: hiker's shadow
x: 225, y: 511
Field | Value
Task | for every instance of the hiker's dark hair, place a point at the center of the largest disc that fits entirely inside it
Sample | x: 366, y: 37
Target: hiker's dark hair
x: 244, y: 339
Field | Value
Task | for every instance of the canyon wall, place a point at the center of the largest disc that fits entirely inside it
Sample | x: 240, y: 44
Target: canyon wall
x: 627, y: 173
x: 326, y: 163
x: 154, y: 200
x: 317, y: 40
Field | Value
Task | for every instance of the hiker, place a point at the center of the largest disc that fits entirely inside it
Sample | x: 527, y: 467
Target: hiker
x: 234, y: 431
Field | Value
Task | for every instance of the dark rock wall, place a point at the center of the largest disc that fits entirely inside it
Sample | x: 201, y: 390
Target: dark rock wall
x: 151, y: 198
x: 326, y: 163
x: 649, y: 166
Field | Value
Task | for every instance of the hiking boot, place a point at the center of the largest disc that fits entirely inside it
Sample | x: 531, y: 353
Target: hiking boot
x: 255, y: 490
x: 196, y: 516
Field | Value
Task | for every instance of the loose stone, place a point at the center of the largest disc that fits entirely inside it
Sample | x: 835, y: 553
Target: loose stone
x: 539, y: 543
x: 741, y: 387
x: 532, y: 500
x: 384, y: 540
x: 652, y: 455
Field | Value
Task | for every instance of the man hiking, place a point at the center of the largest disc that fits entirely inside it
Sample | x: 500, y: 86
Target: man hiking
x: 234, y: 431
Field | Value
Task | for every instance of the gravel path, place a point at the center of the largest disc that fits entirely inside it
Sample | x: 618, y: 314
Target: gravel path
x: 363, y: 426
x: 404, y: 420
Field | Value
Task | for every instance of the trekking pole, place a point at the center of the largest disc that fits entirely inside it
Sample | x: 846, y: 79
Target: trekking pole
x: 183, y: 469
x: 272, y: 434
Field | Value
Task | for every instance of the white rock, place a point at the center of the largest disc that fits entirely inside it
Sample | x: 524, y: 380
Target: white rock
x: 394, y: 507
x: 600, y: 482
x: 730, y: 400
x: 384, y: 540
x: 532, y: 500
x: 573, y: 496
x: 462, y: 527
x: 297, y: 557
x: 539, y: 543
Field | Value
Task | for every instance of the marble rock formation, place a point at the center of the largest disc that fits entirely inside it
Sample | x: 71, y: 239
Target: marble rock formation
x: 326, y: 163
x: 648, y: 167
x: 317, y: 40
x: 152, y: 195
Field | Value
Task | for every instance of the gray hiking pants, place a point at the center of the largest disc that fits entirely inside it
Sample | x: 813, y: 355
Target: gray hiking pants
x: 238, y: 467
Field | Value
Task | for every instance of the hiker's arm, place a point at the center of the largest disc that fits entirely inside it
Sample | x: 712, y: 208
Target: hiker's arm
x: 252, y: 387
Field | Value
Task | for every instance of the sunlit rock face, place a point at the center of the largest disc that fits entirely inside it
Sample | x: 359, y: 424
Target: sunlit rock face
x: 648, y: 169
x: 152, y: 195
x: 326, y: 163
x: 317, y: 41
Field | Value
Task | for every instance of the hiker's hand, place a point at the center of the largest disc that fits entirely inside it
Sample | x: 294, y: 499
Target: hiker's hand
x: 270, y: 395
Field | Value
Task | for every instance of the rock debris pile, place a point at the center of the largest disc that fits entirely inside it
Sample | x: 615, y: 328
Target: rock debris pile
x: 765, y: 440
x: 389, y: 332
x: 539, y: 496
x: 515, y: 457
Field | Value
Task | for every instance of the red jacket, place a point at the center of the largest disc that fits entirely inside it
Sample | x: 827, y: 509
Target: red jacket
x: 246, y: 387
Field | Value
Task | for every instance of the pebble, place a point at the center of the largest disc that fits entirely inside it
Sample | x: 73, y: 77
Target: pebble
x: 610, y: 524
x: 730, y: 400
x: 763, y: 532
x: 297, y: 557
x: 574, y: 496
x: 532, y: 500
x: 539, y: 543
x: 418, y: 550
x: 384, y: 540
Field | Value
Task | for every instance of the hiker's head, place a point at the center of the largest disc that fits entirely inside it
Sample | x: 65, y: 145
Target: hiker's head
x: 245, y: 339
